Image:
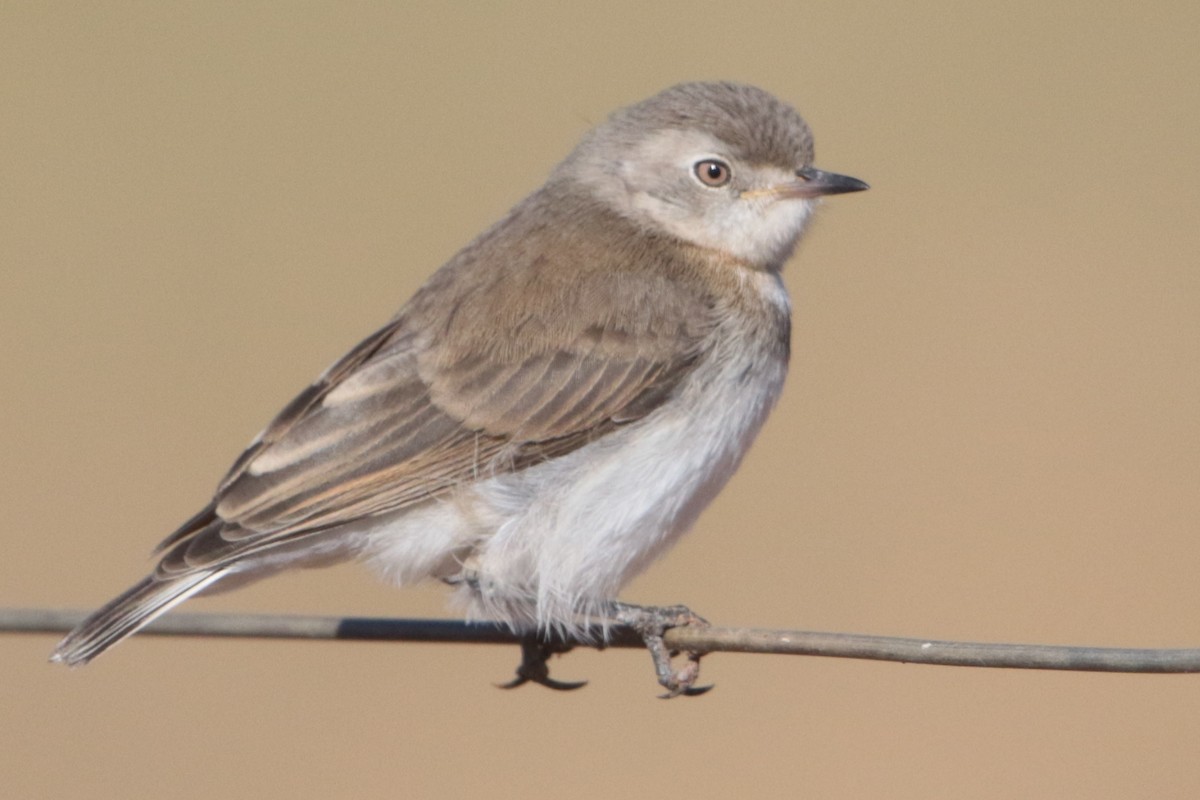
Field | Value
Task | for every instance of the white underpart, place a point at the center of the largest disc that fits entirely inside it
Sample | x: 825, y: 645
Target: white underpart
x: 551, y: 545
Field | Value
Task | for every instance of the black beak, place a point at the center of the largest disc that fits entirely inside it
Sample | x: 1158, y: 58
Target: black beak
x: 816, y: 183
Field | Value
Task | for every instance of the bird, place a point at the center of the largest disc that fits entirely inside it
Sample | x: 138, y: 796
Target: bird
x: 554, y: 407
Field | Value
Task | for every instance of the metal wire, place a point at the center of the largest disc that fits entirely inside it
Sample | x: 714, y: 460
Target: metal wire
x: 698, y: 639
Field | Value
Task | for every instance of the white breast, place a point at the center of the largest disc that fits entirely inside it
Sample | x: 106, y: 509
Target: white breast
x: 570, y: 533
x: 551, y: 545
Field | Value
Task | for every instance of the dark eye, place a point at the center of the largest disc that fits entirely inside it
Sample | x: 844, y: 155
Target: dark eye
x: 712, y: 172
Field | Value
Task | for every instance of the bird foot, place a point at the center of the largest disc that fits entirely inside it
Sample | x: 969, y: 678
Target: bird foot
x: 651, y: 622
x: 534, y: 666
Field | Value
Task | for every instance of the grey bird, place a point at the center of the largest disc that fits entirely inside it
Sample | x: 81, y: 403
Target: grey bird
x: 555, y: 406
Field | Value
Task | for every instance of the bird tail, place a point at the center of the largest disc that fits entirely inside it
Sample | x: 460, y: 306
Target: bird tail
x: 128, y: 612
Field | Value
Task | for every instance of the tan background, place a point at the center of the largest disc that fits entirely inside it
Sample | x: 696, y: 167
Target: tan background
x: 991, y: 432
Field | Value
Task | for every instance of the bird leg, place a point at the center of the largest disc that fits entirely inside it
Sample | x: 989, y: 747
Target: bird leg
x: 651, y: 622
x: 535, y: 653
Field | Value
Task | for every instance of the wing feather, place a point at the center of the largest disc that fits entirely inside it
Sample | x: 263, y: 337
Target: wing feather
x: 456, y: 389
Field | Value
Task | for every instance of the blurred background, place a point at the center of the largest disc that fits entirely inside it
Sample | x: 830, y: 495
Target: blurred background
x: 991, y: 430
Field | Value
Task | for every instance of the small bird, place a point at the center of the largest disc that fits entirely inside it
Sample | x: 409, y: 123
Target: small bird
x: 555, y: 406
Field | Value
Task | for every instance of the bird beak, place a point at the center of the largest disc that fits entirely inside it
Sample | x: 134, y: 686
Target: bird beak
x: 815, y: 183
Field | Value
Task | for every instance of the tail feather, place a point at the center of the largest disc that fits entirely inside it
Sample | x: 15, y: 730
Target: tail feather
x: 125, y: 614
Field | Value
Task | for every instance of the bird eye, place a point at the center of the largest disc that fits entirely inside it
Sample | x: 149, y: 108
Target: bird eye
x: 713, y: 173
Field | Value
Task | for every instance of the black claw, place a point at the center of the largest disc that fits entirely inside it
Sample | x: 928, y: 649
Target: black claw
x: 687, y: 691
x: 548, y: 682
x: 520, y: 680
x: 535, y: 669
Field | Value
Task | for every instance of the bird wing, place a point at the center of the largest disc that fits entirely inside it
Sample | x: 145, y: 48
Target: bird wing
x: 425, y: 404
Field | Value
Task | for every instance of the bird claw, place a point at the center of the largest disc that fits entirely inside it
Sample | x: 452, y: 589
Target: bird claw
x: 682, y: 682
x: 651, y: 622
x: 534, y: 667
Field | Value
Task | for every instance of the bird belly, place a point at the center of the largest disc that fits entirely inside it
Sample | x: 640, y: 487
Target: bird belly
x: 571, y: 532
x: 550, y: 546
